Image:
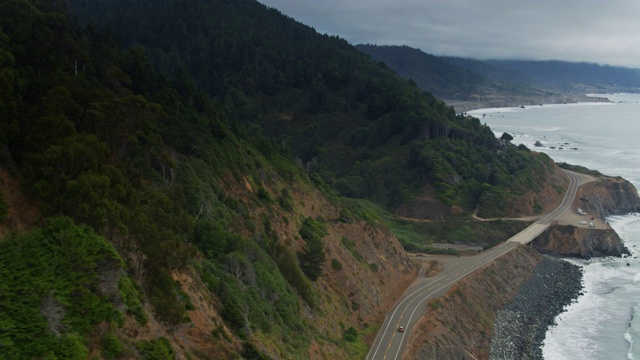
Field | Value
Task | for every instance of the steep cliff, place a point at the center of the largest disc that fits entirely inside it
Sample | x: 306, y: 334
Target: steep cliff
x: 600, y: 198
x: 568, y: 240
x: 608, y: 196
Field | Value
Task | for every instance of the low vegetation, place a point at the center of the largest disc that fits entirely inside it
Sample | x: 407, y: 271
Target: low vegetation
x: 56, y: 283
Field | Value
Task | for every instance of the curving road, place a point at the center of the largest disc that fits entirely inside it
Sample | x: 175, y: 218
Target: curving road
x: 390, y: 343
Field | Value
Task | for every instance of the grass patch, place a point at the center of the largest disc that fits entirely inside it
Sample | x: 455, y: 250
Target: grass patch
x: 417, y: 236
x: 484, y: 318
x: 579, y: 169
x: 356, y: 348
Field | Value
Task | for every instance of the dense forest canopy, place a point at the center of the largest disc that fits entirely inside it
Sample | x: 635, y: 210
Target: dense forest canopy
x: 350, y: 119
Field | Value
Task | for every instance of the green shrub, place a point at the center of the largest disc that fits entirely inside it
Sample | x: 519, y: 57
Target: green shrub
x: 251, y: 352
x: 111, y: 346
x: 346, y: 216
x: 156, y: 349
x: 336, y: 264
x: 313, y: 257
x: 351, y: 335
x: 132, y: 299
x: 286, y: 261
x: 163, y: 296
x: 285, y: 201
x: 72, y: 347
x: 54, y: 274
x: 264, y: 195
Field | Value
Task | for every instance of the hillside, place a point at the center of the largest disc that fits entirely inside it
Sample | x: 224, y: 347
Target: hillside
x: 454, y: 79
x: 469, y: 83
x: 575, y: 77
x: 492, y: 72
x: 365, y: 131
x: 206, y: 186
x: 429, y: 72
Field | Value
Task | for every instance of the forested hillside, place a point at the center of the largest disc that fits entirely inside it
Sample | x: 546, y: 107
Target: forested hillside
x: 367, y: 132
x: 441, y: 78
x: 195, y: 182
x: 471, y: 84
x: 567, y: 76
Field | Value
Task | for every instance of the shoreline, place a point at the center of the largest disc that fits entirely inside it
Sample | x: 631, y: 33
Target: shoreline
x: 520, y: 328
x: 462, y: 106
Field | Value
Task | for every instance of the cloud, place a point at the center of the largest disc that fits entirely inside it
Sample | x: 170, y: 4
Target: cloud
x: 606, y: 32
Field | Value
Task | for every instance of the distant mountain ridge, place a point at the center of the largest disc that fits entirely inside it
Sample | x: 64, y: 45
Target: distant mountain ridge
x: 444, y: 79
x: 570, y: 76
x: 468, y: 83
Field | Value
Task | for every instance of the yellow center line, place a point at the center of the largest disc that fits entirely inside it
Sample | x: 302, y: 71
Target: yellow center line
x: 405, y: 310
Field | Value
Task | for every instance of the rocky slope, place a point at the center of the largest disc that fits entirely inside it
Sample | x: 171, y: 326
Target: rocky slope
x: 608, y: 196
x: 366, y: 268
x: 568, y: 240
x: 459, y: 325
x: 601, y: 198
x: 499, y: 312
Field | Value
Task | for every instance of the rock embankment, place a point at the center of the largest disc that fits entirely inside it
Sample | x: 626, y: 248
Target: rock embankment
x: 519, y: 329
x: 458, y: 325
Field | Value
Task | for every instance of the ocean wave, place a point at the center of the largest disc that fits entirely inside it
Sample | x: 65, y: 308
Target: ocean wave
x: 632, y: 335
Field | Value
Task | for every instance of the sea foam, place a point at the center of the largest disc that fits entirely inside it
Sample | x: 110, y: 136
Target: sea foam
x: 633, y: 334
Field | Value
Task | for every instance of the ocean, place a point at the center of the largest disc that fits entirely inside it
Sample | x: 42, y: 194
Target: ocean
x: 604, y: 322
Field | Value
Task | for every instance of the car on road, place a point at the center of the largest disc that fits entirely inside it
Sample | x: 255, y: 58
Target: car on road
x: 401, y: 329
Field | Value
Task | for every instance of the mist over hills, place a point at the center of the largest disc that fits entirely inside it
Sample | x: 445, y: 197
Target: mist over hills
x: 571, y: 76
x: 504, y: 82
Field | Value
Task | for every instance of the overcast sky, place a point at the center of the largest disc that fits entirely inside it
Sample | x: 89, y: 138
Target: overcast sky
x: 601, y: 31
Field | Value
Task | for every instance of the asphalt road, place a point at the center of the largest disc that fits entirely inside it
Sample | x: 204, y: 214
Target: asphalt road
x: 390, y: 343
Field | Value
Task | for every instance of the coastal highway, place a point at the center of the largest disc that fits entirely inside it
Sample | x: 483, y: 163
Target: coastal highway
x: 390, y: 343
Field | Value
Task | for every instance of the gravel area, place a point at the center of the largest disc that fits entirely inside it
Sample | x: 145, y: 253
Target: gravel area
x: 519, y: 329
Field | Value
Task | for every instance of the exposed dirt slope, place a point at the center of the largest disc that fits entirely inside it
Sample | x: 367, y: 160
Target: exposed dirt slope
x: 580, y: 242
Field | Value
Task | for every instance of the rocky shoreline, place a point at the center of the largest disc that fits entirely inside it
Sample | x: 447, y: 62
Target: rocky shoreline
x: 519, y: 329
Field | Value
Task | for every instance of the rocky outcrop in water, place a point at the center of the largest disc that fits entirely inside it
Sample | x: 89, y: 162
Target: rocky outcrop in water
x: 608, y: 196
x: 571, y: 241
x: 604, y: 197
